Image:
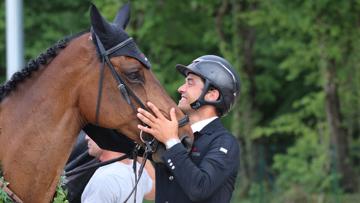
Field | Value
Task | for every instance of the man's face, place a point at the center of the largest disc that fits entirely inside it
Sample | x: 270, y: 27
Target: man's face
x: 94, y: 149
x: 190, y: 92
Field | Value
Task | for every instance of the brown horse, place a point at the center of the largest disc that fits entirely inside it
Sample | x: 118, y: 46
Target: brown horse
x: 41, y: 115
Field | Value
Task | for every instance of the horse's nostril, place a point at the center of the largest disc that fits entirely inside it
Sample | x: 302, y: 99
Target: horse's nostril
x: 187, y: 142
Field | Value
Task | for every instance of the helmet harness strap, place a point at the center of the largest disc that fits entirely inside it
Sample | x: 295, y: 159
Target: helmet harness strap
x: 201, y: 100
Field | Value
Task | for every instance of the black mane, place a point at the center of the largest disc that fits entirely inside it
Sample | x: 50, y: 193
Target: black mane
x: 33, y: 65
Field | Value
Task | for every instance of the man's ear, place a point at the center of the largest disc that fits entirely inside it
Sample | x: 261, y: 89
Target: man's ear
x: 212, y: 95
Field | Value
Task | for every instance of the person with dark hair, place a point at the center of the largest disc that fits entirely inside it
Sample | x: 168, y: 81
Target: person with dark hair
x: 208, y: 172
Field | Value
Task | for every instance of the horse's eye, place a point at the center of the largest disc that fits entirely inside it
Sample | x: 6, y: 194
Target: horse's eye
x: 134, y: 76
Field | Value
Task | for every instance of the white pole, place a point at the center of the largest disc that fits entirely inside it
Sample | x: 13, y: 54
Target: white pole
x: 14, y: 37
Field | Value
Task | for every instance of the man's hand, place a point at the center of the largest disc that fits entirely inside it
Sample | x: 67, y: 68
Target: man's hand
x: 159, y: 126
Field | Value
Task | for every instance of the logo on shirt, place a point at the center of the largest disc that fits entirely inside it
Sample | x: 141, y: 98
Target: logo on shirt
x: 222, y: 149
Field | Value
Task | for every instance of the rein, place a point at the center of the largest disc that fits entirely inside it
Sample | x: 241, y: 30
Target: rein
x: 124, y: 89
x: 79, y: 170
x: 10, y: 193
x: 150, y: 143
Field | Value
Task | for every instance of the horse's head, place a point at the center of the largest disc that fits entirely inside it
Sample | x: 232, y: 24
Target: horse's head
x: 123, y: 76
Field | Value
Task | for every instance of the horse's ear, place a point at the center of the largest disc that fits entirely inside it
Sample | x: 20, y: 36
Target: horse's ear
x: 99, y: 24
x: 123, y: 16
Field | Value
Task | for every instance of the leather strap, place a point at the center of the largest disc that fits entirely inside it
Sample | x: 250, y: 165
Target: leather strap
x: 10, y: 193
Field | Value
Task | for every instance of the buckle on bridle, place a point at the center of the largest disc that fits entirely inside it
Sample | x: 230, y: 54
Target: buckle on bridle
x: 148, y: 144
x: 151, y: 145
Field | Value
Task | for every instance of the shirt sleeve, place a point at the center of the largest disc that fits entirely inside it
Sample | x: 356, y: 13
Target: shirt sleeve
x: 219, y: 163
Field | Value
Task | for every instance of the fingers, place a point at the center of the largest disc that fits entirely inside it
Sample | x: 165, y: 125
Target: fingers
x: 154, y: 109
x: 146, y: 129
x: 150, y: 119
x: 173, y: 114
x: 157, y: 124
x: 142, y: 115
x: 146, y: 114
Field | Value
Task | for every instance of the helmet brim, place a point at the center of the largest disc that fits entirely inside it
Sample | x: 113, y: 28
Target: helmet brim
x: 184, y: 70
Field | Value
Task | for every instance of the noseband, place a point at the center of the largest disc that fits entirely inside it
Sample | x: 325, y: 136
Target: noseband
x: 150, y: 143
x: 124, y: 89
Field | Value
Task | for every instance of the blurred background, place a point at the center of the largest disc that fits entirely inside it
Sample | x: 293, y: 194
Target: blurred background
x: 298, y: 117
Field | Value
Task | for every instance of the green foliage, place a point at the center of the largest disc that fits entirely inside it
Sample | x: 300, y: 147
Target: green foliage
x: 4, y: 198
x: 46, y: 24
x: 306, y: 166
x: 60, y: 194
x: 282, y: 104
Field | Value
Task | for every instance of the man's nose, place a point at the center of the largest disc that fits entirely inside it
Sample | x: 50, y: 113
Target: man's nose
x: 181, y: 89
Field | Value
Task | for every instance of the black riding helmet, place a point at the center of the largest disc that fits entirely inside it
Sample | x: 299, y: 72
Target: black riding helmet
x: 218, y: 73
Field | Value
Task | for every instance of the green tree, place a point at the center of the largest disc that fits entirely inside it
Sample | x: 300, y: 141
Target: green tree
x: 315, y: 41
x: 298, y: 114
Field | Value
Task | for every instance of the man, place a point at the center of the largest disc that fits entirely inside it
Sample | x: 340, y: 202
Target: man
x: 79, y: 159
x: 209, y: 172
x: 113, y: 183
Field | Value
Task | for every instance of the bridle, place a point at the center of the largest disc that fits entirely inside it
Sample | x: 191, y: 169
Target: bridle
x: 151, y: 143
x: 124, y: 89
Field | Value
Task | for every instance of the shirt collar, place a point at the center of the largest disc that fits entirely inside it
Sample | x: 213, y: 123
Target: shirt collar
x: 196, y: 127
